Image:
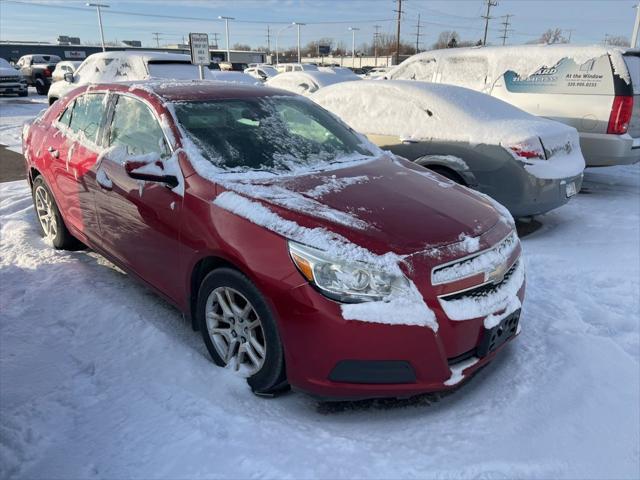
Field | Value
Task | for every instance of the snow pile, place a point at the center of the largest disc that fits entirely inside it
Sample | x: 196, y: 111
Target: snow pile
x: 408, y: 308
x: 524, y: 60
x: 425, y: 111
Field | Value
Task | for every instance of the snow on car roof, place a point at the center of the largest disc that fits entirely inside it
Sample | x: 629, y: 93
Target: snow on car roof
x: 144, y: 55
x: 526, y: 59
x: 322, y: 79
x: 422, y: 111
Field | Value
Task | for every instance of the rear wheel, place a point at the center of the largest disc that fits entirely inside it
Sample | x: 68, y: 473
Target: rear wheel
x: 240, y: 331
x: 42, y: 88
x: 52, y: 227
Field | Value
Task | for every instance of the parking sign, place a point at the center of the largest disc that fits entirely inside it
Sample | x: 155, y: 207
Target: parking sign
x: 199, y: 43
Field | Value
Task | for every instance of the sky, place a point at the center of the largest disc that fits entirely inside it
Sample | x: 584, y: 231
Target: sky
x: 586, y: 21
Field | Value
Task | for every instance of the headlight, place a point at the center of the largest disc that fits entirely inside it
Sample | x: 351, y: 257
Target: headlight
x: 348, y: 282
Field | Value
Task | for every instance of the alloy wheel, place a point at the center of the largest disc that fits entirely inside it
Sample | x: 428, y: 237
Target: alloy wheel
x: 235, y: 331
x: 46, y: 213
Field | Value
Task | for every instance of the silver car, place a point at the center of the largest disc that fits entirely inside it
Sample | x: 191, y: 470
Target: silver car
x: 529, y: 164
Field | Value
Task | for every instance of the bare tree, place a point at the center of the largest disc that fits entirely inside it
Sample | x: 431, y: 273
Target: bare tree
x: 241, y: 46
x: 451, y: 39
x: 618, y: 41
x: 551, y: 36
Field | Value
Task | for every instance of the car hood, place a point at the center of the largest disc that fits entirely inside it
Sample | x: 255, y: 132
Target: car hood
x: 388, y: 204
x: 9, y: 72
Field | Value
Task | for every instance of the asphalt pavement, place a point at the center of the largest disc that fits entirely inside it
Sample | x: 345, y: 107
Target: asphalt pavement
x: 11, y: 165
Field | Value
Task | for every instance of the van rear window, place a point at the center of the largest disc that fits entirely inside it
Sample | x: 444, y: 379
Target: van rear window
x: 633, y: 65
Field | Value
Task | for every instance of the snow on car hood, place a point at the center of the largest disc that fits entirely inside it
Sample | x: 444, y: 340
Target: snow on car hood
x: 386, y: 204
x: 428, y: 111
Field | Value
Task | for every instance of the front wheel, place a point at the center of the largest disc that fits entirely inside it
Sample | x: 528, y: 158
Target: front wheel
x: 52, y: 227
x: 42, y: 88
x: 240, y: 331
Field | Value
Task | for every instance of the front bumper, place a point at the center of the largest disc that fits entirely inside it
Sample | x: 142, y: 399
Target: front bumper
x: 333, y: 358
x: 12, y: 88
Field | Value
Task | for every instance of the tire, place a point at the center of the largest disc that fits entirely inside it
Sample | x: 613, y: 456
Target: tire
x: 41, y: 88
x: 237, y: 335
x: 53, y: 228
x: 23, y: 94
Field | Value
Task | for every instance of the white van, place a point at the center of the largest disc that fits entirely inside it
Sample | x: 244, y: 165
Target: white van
x: 591, y: 88
x: 296, y: 67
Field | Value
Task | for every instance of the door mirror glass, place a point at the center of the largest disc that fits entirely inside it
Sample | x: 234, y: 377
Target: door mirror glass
x: 68, y: 77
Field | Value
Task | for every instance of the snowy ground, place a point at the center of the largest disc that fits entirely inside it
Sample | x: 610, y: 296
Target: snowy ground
x: 14, y: 111
x: 101, y: 378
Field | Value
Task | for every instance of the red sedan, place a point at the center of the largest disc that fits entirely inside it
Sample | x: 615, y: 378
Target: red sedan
x: 305, y: 256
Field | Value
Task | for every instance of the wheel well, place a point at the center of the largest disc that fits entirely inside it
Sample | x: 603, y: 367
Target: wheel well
x: 33, y: 173
x: 450, y: 173
x: 201, y: 269
x: 52, y: 100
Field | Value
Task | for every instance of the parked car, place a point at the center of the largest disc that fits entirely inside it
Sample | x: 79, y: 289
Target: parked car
x: 594, y: 89
x: 233, y: 66
x: 296, y: 67
x: 378, y: 72
x: 282, y: 234
x: 529, y: 164
x: 262, y: 72
x: 305, y: 83
x: 64, y: 67
x: 37, y: 70
x: 11, y: 80
x: 338, y: 71
x: 126, y: 66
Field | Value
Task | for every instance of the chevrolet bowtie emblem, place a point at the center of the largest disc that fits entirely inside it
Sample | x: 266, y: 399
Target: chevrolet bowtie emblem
x: 496, y: 276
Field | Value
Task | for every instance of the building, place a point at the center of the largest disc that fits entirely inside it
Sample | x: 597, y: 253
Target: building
x: 12, y: 51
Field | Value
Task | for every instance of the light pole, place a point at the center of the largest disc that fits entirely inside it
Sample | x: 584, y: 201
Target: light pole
x: 278, y: 36
x: 98, y: 7
x: 226, y: 29
x: 353, y: 45
x: 636, y: 27
x: 299, y: 25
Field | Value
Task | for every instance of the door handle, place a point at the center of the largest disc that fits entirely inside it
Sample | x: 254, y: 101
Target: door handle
x: 54, y: 153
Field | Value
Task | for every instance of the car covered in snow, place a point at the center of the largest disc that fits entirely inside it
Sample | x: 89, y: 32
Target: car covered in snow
x: 128, y: 66
x: 11, y: 80
x: 595, y: 89
x: 64, y: 67
x: 306, y: 256
x: 306, y: 83
x: 261, y: 71
x: 529, y: 164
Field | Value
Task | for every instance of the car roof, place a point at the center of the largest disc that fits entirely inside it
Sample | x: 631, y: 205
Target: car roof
x: 144, y: 55
x: 193, y: 90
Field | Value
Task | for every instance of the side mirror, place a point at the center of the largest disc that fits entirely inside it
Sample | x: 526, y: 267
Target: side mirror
x: 150, y: 172
x: 68, y: 77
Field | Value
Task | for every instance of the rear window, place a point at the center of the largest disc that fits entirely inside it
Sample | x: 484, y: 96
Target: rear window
x: 174, y: 70
x: 633, y: 65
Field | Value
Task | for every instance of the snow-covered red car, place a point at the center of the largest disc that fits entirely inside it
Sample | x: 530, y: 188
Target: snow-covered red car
x: 531, y: 165
x: 304, y: 254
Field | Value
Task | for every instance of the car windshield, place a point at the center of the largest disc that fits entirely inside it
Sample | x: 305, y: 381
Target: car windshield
x: 269, y: 133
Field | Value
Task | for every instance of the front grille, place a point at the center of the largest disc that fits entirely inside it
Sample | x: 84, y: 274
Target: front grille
x: 9, y: 79
x: 482, y: 290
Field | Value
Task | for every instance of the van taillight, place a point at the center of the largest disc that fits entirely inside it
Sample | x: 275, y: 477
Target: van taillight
x: 620, y: 115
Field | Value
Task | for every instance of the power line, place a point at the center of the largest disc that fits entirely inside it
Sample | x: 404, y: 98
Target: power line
x: 506, y: 23
x: 487, y: 17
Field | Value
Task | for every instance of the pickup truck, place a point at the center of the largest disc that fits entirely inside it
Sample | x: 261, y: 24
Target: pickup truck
x: 37, y: 69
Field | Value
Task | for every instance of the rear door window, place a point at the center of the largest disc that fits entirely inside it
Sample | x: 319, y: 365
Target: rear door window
x: 136, y: 128
x: 633, y: 65
x: 87, y: 116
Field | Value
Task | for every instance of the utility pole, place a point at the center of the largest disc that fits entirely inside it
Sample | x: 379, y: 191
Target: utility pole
x: 376, y: 34
x: 636, y: 27
x: 505, y: 32
x: 156, y: 35
x: 98, y: 7
x: 418, y: 35
x: 487, y: 17
x: 399, y: 12
x: 226, y: 29
x: 353, y: 45
x: 268, y: 39
x: 606, y: 39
